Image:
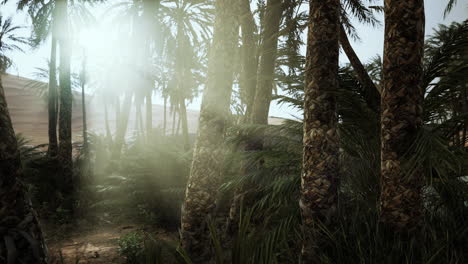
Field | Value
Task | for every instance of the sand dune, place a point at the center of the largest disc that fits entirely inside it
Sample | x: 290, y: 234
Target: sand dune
x: 28, y: 112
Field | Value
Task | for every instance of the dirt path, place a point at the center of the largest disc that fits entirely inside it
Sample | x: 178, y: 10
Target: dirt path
x: 93, y: 245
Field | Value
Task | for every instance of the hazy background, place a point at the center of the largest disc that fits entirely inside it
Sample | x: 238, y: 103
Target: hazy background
x: 371, y: 42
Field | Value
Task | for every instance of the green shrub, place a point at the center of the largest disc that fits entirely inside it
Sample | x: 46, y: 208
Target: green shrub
x: 131, y: 247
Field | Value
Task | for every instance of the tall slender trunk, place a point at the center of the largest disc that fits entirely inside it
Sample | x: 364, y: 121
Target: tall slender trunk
x: 184, y: 121
x: 21, y: 234
x: 319, y: 179
x: 65, y: 118
x: 371, y: 91
x: 83, y: 108
x: 400, y: 199
x: 117, y: 113
x: 178, y: 123
x: 260, y: 107
x: 149, y: 114
x: 465, y: 119
x: 106, y: 122
x: 165, y: 116
x: 52, y: 99
x: 139, y: 114
x: 122, y: 125
x: 205, y: 174
x: 149, y: 6
x: 269, y: 48
x: 173, y: 120
x: 248, y: 79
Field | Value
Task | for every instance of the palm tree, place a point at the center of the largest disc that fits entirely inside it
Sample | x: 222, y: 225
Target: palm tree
x: 249, y: 64
x: 269, y: 47
x: 21, y: 237
x: 189, y: 24
x: 65, y: 108
x: 205, y: 175
x: 402, y: 96
x: 52, y: 17
x: 320, y: 159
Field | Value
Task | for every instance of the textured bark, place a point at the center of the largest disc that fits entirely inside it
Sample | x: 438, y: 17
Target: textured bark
x: 400, y: 199
x: 65, y: 118
x: 269, y: 48
x: 52, y: 99
x: 21, y: 239
x: 319, y: 181
x: 205, y: 174
x: 248, y: 77
x: 122, y: 125
x: 371, y: 91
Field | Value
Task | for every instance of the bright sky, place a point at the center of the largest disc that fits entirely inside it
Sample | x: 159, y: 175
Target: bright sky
x: 371, y: 43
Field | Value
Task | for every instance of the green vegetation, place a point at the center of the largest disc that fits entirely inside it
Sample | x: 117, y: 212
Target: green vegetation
x: 376, y: 171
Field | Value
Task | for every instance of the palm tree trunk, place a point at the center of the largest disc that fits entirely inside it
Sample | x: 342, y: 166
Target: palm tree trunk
x: 248, y: 79
x: 149, y: 114
x: 173, y: 120
x: 106, y: 122
x: 65, y: 119
x: 178, y: 123
x: 165, y: 116
x: 205, y: 175
x: 21, y: 234
x: 319, y: 180
x: 183, y: 119
x: 122, y: 125
x: 371, y: 91
x: 52, y: 99
x: 269, y: 48
x: 400, y: 199
x: 83, y: 109
x: 260, y: 107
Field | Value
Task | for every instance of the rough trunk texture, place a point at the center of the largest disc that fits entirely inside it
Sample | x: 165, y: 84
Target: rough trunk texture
x: 401, y: 104
x: 21, y: 238
x: 52, y: 99
x: 371, y: 91
x: 65, y: 118
x: 248, y: 78
x: 319, y: 181
x: 205, y: 175
x: 269, y: 48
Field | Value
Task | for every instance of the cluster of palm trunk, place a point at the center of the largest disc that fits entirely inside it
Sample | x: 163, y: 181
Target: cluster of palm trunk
x: 400, y: 113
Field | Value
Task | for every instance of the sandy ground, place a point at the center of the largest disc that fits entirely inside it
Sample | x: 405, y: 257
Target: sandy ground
x: 93, y: 244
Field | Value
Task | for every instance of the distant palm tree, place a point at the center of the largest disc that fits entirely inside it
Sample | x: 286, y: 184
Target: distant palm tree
x: 52, y: 17
x: 21, y: 237
x: 8, y: 42
x: 189, y: 24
